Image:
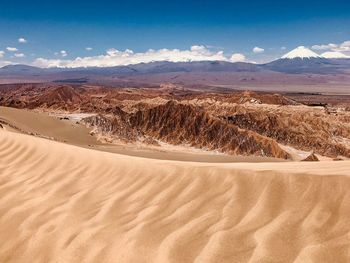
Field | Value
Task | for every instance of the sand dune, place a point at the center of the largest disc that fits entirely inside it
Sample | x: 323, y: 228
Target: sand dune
x: 47, y: 126
x: 61, y: 203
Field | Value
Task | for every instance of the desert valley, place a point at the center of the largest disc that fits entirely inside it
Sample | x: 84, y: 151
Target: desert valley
x: 174, y: 132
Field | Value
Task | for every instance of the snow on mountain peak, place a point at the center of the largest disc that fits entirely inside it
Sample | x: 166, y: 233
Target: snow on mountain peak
x: 301, y: 52
x: 334, y: 54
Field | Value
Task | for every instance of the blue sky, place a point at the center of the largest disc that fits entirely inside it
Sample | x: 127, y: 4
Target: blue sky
x: 220, y: 26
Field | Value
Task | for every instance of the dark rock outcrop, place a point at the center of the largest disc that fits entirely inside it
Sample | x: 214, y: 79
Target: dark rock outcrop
x: 311, y: 158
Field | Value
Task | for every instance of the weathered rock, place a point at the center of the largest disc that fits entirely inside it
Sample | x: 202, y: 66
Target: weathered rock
x: 184, y: 124
x: 311, y: 158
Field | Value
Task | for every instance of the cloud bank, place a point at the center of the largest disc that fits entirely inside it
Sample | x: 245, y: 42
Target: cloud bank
x: 343, y: 47
x: 114, y: 57
x: 237, y: 57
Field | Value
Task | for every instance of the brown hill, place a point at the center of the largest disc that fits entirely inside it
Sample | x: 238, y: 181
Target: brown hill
x: 62, y: 96
x: 51, y: 96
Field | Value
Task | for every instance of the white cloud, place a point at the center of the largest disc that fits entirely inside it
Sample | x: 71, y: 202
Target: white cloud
x: 88, y: 48
x: 342, y: 47
x: 12, y: 49
x: 22, y: 40
x: 2, y: 53
x: 237, y: 57
x: 4, y: 63
x: 63, y: 53
x: 258, y: 50
x: 19, y: 55
x: 345, y: 46
x: 324, y: 47
x: 114, y: 57
x: 334, y: 54
x: 283, y: 48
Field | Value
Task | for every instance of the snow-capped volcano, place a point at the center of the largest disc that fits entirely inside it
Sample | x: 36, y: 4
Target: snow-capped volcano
x: 334, y: 54
x: 301, y: 60
x: 301, y: 52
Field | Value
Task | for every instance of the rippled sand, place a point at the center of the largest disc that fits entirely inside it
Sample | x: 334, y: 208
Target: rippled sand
x: 61, y: 203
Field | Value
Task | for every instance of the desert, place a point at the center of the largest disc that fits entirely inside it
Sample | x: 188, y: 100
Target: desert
x: 174, y: 131
x: 171, y: 174
x: 63, y: 203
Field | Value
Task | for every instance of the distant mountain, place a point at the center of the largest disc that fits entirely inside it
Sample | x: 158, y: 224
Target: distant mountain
x: 198, y: 66
x: 297, y: 65
x: 20, y: 69
x: 301, y: 52
x: 170, y: 67
x: 141, y: 68
x: 303, y: 60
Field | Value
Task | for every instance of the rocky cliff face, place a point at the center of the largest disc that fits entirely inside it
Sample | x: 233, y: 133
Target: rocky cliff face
x: 117, y: 126
x: 301, y: 130
x: 177, y: 123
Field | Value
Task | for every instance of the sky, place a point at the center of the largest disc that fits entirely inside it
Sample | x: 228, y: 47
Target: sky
x: 107, y: 33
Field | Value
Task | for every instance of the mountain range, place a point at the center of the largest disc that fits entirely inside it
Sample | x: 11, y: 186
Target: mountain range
x: 300, y: 66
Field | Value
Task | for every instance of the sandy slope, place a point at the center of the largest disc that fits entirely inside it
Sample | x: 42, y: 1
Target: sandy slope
x: 61, y: 203
x: 47, y: 126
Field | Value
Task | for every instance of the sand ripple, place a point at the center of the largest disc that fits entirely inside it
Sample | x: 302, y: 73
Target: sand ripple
x: 60, y: 203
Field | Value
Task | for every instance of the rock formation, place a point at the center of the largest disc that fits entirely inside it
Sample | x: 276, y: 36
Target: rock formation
x: 245, y: 123
x: 311, y: 158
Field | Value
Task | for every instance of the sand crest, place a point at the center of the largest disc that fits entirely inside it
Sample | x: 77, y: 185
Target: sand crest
x: 62, y: 203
